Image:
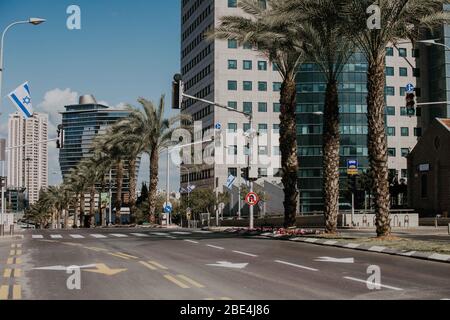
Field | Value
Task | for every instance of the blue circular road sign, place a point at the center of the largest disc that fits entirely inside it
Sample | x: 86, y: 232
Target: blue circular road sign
x: 410, y: 87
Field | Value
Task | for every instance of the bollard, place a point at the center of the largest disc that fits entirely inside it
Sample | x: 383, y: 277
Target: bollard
x: 1, y: 230
x: 11, y: 230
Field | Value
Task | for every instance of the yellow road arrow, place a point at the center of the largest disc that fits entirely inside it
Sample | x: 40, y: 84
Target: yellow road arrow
x: 104, y: 269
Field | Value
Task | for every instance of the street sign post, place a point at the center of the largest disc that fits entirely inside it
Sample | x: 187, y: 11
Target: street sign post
x: 252, y: 199
x: 352, y: 167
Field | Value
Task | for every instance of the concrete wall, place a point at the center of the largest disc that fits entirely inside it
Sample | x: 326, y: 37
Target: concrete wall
x: 401, y: 220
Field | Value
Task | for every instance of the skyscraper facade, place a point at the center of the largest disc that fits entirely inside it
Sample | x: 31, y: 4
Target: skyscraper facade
x: 28, y: 156
x: 231, y: 74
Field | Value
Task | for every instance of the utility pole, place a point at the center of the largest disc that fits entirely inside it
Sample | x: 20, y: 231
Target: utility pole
x: 167, y: 188
x: 110, y: 197
x: 250, y: 144
x: 239, y: 193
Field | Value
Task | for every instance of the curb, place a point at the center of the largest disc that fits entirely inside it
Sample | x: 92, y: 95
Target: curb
x: 361, y: 247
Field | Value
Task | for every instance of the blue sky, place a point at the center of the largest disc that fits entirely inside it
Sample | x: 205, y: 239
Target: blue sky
x: 124, y: 50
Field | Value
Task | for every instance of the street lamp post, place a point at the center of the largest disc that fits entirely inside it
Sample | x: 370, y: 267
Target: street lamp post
x: 33, y: 21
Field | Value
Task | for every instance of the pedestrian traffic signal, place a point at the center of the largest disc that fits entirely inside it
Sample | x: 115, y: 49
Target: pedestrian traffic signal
x: 177, y: 91
x: 411, y: 104
x: 60, y: 141
x: 244, y: 173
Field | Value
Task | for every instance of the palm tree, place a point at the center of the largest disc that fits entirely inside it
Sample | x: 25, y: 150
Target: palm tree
x: 279, y: 40
x: 400, y: 19
x: 325, y: 44
x: 155, y: 132
x: 58, y: 198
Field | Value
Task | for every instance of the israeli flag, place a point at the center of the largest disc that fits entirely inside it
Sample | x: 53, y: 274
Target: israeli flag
x: 21, y: 98
x: 190, y: 188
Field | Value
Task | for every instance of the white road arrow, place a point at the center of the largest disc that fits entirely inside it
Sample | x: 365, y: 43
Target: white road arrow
x: 63, y: 268
x: 226, y: 264
x: 335, y: 260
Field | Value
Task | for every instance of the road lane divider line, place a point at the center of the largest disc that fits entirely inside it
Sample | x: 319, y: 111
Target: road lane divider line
x: 4, y: 291
x: 96, y: 249
x: 215, y: 247
x: 17, y: 292
x: 118, y: 235
x: 76, y: 236
x: 72, y: 244
x: 191, y: 241
x: 56, y: 236
x: 7, y: 273
x: 245, y: 253
x: 127, y: 255
x: 295, y: 265
x: 148, y: 265
x: 140, y: 235
x: 190, y: 281
x: 158, y: 265
x: 37, y: 236
x: 373, y: 284
x: 10, y: 261
x: 98, y: 236
x: 122, y: 255
x: 177, y: 282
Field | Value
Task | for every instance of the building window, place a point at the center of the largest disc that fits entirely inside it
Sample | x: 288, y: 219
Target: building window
x: 390, y: 52
x: 247, y: 86
x: 232, y: 44
x: 262, y: 86
x: 232, y: 104
x: 424, y: 186
x: 405, y: 131
x: 390, y: 91
x: 276, y: 151
x: 247, y: 107
x: 276, y: 128
x: 389, y: 71
x: 391, y: 131
x: 277, y: 86
x: 417, y: 132
x: 262, y: 128
x: 262, y: 150
x: 232, y: 172
x: 404, y: 174
x: 232, y: 64
x: 405, y: 152
x: 276, y: 107
x: 402, y: 52
x: 232, y: 127
x: 246, y: 127
x: 247, y: 46
x: 232, y: 85
x: 247, y: 65
x: 402, y: 91
x: 403, y: 111
x: 403, y: 72
x: 262, y: 107
x: 262, y: 65
x: 390, y: 111
x: 262, y: 172
x: 232, y: 3
x: 391, y: 152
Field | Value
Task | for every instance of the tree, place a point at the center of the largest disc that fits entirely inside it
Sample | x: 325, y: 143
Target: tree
x: 155, y: 132
x: 280, y: 41
x: 399, y: 19
x: 322, y: 28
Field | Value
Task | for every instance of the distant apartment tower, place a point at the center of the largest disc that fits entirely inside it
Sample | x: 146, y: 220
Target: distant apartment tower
x: 28, y: 164
x: 231, y: 74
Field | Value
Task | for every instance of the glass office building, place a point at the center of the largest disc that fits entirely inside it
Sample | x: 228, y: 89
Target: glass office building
x: 82, y: 123
x: 311, y: 87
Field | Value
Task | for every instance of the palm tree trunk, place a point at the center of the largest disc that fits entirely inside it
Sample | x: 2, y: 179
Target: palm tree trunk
x: 82, y: 201
x: 66, y: 218
x: 53, y: 220
x: 288, y: 148
x: 92, y: 207
x: 75, y: 214
x: 331, y: 145
x: 100, y: 207
x: 119, y: 182
x: 132, y: 181
x: 154, y: 167
x: 377, y: 143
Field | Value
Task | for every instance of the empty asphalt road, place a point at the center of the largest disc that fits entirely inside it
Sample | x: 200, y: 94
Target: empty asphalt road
x: 197, y: 265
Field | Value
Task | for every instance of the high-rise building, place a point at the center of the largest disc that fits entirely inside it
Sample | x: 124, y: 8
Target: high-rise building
x: 28, y: 158
x: 231, y: 74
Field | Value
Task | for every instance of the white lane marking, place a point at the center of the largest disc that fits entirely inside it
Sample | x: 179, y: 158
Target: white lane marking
x: 245, y: 253
x: 296, y: 265
x: 158, y: 233
x: 181, y: 233
x: 37, y: 236
x: 330, y: 242
x: 76, y: 236
x: 56, y: 236
x: 140, y: 234
x: 202, y: 231
x: 215, y: 247
x: 352, y: 245
x: 191, y: 241
x: 335, y: 260
x: 98, y: 236
x: 371, y: 283
x: 377, y: 248
x: 410, y: 253
x: 311, y: 240
x: 119, y: 235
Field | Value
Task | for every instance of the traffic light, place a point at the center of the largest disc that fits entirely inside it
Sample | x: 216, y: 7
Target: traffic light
x: 411, y: 104
x: 244, y: 173
x: 60, y: 141
x: 177, y: 91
